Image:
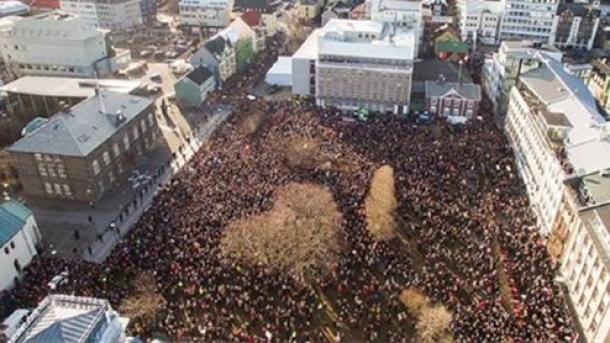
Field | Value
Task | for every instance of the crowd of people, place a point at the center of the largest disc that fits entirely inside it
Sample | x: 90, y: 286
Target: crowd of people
x: 462, y: 208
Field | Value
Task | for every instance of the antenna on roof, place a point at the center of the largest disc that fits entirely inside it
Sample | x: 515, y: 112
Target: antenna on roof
x: 99, y: 95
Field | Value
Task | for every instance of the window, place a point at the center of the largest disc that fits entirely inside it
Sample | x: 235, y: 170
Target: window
x: 136, y: 133
x: 111, y: 176
x: 151, y: 120
x: 57, y: 188
x: 106, y: 157
x: 51, y: 170
x: 42, y: 170
x: 115, y: 150
x: 6, y: 251
x: 17, y: 266
x: 143, y: 126
x: 61, y: 172
x: 126, y: 141
x: 96, y: 167
x: 100, y: 185
x: 12, y: 245
x: 48, y: 188
x: 67, y: 190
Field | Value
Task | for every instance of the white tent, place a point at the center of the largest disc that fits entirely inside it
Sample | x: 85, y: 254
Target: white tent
x: 280, y: 74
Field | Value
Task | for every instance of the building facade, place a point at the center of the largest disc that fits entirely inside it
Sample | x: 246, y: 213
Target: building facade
x: 62, y: 45
x: 113, y: 15
x: 575, y: 26
x: 66, y: 318
x: 353, y: 64
x: 267, y: 10
x: 598, y: 82
x: 447, y: 99
x: 82, y: 153
x: 479, y: 20
x: 210, y: 14
x: 193, y: 88
x: 528, y: 19
x: 219, y: 55
x: 19, y: 241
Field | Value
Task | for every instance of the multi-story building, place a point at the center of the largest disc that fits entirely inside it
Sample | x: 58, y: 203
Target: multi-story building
x: 66, y: 318
x: 479, y: 20
x: 352, y: 64
x: 501, y: 71
x: 585, y: 222
x: 528, y: 19
x: 213, y: 15
x: 34, y: 96
x: 19, y: 241
x: 403, y: 13
x: 598, y: 81
x: 447, y: 99
x: 61, y: 45
x: 112, y: 15
x: 556, y: 133
x: 575, y: 26
x: 268, y: 11
x: 82, y: 152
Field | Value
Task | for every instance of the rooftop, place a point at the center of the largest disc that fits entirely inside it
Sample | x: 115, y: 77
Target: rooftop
x: 53, y: 25
x: 452, y: 47
x: 258, y: 5
x: 68, y: 87
x: 13, y: 216
x: 64, y: 319
x: 199, y: 75
x: 12, y: 6
x: 362, y: 38
x: 468, y: 91
x: 84, y: 127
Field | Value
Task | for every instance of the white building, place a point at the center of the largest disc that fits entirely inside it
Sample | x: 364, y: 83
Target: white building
x: 556, y: 133
x: 112, y: 15
x: 404, y: 13
x: 54, y: 44
x: 65, y: 318
x: 528, y: 19
x: 501, y: 71
x: 19, y: 237
x: 13, y: 7
x: 214, y: 14
x: 479, y: 20
x: 352, y: 64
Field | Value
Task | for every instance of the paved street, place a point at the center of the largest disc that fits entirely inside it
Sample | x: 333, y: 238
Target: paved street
x: 58, y: 221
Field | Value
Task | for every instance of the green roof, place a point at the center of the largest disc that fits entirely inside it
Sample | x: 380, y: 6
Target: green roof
x: 13, y: 216
x: 453, y: 47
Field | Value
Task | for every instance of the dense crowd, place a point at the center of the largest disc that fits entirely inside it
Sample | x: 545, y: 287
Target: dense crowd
x: 464, y: 222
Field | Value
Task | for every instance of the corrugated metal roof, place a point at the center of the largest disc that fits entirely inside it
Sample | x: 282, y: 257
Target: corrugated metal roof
x: 12, y: 218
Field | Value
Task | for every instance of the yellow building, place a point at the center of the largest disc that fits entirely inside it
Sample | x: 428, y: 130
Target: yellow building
x: 308, y: 9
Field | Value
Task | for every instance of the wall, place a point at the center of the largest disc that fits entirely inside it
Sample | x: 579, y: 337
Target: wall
x: 24, y: 251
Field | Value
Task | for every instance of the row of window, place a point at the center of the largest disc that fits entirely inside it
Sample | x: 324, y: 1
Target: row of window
x: 58, y: 189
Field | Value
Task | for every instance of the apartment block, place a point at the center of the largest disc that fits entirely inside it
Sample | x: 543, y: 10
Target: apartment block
x: 353, y: 64
x: 479, y: 20
x: 82, y: 153
x: 211, y: 14
x: 528, y: 19
x: 113, y: 14
x: 575, y: 26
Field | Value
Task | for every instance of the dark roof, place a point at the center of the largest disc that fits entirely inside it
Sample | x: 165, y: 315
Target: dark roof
x: 216, y: 45
x: 259, y: 5
x: 252, y: 18
x: 199, y: 75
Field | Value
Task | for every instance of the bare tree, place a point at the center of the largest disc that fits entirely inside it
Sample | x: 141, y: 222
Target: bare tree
x: 302, y: 152
x: 300, y: 235
x: 381, y: 205
x: 433, y: 324
x: 296, y: 33
x: 414, y: 301
x: 146, y: 302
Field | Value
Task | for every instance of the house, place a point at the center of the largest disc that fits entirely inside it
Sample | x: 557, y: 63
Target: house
x: 67, y: 318
x: 479, y: 20
x: 113, y: 15
x: 19, y: 240
x: 193, y: 88
x: 255, y: 21
x: 268, y: 11
x: 447, y: 99
x: 83, y: 152
x: 308, y: 9
x: 218, y: 55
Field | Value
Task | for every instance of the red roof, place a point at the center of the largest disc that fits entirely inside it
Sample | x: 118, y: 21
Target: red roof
x: 53, y: 4
x: 252, y: 18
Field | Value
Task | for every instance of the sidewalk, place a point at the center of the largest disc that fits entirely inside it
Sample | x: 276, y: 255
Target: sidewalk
x: 132, y: 210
